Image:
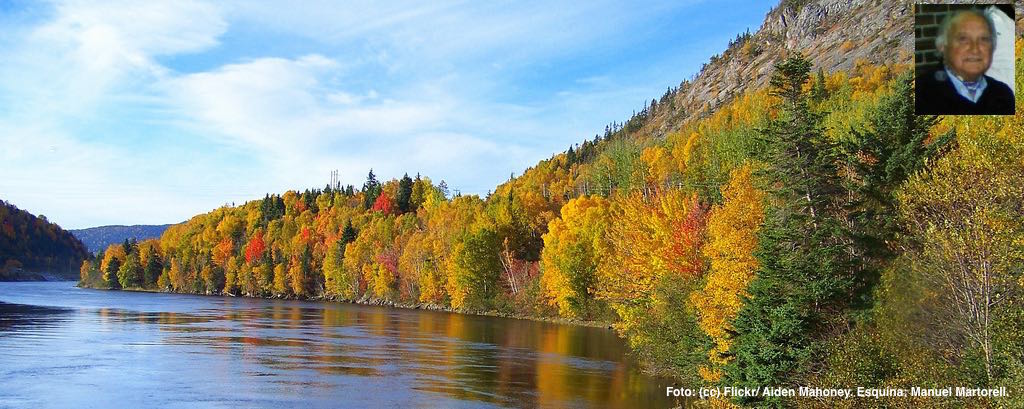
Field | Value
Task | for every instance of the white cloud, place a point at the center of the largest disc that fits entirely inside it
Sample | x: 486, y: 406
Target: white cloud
x: 161, y: 110
x: 90, y: 52
x: 286, y: 108
x: 290, y: 115
x: 139, y: 29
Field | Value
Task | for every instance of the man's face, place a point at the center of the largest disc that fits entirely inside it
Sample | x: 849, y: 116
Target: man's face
x: 969, y: 47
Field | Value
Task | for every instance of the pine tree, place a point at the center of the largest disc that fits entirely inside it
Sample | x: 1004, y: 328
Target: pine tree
x: 443, y: 189
x: 129, y: 246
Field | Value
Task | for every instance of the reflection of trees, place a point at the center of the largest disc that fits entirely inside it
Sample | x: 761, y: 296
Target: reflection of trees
x: 452, y: 356
x: 15, y: 317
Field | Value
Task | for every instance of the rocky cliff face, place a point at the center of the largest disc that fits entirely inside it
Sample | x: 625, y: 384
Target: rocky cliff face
x: 834, y: 34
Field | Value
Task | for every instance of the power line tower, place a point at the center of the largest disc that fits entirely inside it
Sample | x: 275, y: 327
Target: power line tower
x: 335, y: 182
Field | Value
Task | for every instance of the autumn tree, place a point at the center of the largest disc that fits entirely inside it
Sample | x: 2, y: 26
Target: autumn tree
x: 113, y: 257
x: 281, y: 285
x: 732, y: 239
x: 176, y: 277
x: 966, y: 219
x: 570, y: 258
x: 650, y: 263
x: 255, y: 250
x: 300, y: 273
x: 91, y: 272
x: 474, y: 281
x: 384, y: 204
x: 419, y: 190
x: 339, y: 282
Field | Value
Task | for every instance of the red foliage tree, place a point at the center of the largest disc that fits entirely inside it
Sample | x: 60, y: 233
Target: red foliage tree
x: 256, y: 247
x: 384, y: 204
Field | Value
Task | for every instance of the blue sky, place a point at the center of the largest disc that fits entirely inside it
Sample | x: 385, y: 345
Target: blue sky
x: 151, y: 112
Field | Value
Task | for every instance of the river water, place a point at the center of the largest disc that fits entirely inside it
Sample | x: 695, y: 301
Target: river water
x: 61, y: 346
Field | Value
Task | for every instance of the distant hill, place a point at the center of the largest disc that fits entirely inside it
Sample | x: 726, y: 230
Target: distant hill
x: 98, y: 238
x: 31, y: 245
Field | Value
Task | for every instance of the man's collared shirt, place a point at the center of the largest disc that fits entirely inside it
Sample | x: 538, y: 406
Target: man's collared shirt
x: 963, y: 89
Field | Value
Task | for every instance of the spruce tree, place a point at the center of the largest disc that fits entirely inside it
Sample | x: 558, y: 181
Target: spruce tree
x: 348, y: 234
x: 404, y: 198
x: 883, y: 156
x: 806, y: 275
x: 371, y: 189
x: 153, y: 269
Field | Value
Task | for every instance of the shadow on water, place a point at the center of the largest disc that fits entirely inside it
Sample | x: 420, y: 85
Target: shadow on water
x: 16, y: 317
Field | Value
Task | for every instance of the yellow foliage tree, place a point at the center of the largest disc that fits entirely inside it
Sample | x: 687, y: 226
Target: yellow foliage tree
x: 113, y: 257
x: 281, y: 286
x: 658, y: 164
x: 732, y: 238
x: 570, y: 259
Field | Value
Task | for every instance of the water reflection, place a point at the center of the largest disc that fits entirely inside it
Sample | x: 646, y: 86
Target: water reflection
x: 339, y: 354
x: 17, y: 317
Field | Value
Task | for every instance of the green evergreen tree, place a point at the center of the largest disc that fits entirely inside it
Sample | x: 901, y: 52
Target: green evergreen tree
x: 152, y: 271
x: 818, y: 91
x: 129, y: 246
x: 806, y: 276
x: 404, y: 198
x: 878, y: 160
x: 110, y: 275
x: 371, y: 189
x: 348, y: 234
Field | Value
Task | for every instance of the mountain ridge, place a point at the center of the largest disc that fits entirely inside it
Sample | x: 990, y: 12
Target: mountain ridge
x: 99, y: 237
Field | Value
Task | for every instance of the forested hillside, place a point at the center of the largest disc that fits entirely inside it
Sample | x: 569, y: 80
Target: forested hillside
x: 810, y: 232
x: 30, y: 244
x: 98, y: 238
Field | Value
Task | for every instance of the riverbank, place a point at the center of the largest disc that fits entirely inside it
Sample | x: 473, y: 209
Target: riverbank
x: 408, y: 306
x: 24, y: 275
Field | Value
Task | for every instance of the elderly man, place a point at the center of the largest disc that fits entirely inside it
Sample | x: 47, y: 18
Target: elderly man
x: 966, y: 41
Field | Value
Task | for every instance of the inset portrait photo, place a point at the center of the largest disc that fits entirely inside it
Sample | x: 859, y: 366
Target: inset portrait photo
x: 964, y: 59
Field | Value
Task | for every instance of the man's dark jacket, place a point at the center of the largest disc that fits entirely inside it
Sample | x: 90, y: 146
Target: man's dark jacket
x: 936, y: 95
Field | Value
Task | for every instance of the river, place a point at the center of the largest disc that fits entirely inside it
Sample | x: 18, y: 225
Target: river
x: 61, y: 346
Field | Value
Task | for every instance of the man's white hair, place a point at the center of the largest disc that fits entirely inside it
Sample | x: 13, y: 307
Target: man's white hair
x: 952, y: 18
